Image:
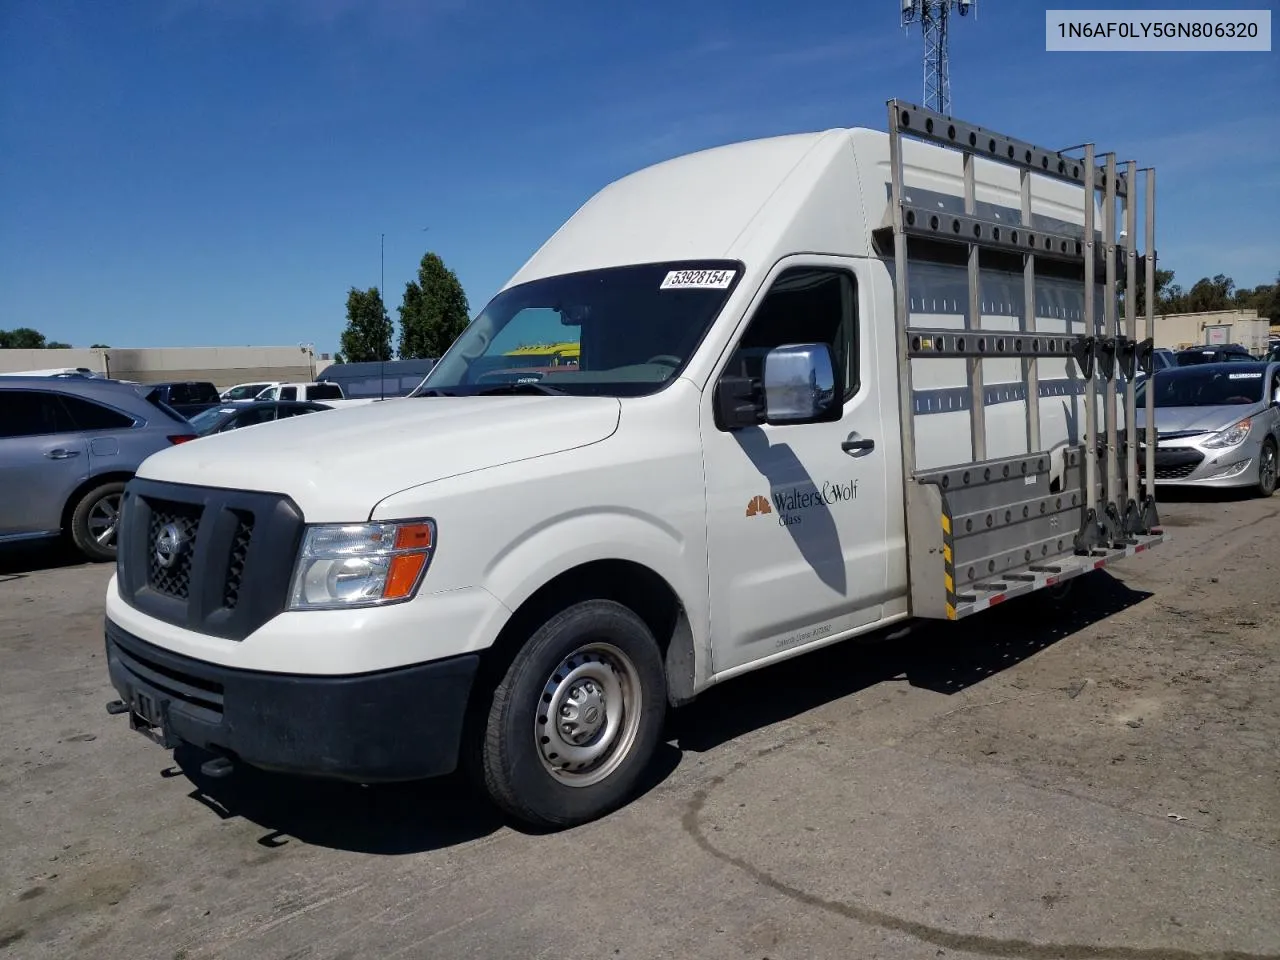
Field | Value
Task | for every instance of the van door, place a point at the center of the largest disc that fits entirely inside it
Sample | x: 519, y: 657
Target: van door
x: 796, y: 525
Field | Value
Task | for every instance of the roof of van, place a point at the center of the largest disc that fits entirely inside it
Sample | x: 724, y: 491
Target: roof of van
x: 760, y: 199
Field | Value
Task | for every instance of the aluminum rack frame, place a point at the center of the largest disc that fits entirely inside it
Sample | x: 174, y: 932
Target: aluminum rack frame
x: 985, y: 530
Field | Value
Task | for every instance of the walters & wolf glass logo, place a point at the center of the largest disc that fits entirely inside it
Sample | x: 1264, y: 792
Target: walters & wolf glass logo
x: 790, y: 503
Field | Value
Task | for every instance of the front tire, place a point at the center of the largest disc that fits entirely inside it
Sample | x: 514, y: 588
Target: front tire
x: 576, y: 719
x: 95, y: 522
x: 1267, y: 469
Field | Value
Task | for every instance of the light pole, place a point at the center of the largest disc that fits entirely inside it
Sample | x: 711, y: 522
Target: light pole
x: 310, y: 350
x: 382, y: 269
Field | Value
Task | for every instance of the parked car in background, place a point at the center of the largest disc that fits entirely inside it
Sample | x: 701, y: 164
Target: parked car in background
x: 188, y: 397
x: 378, y: 379
x: 1223, y: 353
x: 245, y: 392
x: 57, y: 372
x: 302, y: 391
x: 1217, y: 425
x: 67, y: 446
x: 1162, y: 358
x: 233, y: 416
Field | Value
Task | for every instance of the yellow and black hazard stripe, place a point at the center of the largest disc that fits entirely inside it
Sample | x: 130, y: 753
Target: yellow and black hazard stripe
x: 948, y: 562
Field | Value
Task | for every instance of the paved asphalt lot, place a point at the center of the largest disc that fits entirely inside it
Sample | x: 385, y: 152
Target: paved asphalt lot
x: 1103, y: 783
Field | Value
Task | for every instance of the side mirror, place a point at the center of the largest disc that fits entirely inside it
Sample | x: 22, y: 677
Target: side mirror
x: 800, y: 385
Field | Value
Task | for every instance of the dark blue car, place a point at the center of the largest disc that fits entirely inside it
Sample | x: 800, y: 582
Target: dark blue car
x: 233, y: 416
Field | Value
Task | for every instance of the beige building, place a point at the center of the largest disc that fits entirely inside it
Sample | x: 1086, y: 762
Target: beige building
x: 1179, y: 330
x: 223, y: 366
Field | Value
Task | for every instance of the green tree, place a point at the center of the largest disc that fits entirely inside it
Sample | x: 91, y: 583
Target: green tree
x: 1211, y: 294
x: 57, y: 345
x: 368, y: 332
x: 22, y: 338
x: 99, y: 346
x: 434, y: 311
x: 1264, y: 298
x: 1164, y: 287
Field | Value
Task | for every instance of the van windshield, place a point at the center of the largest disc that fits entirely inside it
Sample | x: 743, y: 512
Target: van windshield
x: 619, y: 331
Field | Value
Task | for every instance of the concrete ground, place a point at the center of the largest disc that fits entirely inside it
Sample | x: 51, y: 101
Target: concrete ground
x: 1099, y: 783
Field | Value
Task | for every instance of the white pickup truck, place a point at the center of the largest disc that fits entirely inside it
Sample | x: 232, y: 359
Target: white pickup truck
x: 774, y: 439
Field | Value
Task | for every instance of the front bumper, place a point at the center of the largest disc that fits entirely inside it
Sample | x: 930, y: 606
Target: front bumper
x: 1189, y: 463
x: 390, y: 725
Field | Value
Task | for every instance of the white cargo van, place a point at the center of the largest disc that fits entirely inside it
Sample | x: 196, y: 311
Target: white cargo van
x: 800, y: 413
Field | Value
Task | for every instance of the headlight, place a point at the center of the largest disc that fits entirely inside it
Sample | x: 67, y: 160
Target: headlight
x: 361, y: 564
x: 1231, y: 436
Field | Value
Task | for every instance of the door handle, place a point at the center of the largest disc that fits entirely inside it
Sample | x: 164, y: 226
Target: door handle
x: 59, y: 453
x: 851, y: 445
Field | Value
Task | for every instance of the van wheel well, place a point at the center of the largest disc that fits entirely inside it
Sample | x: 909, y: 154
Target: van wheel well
x: 633, y: 585
x: 68, y: 508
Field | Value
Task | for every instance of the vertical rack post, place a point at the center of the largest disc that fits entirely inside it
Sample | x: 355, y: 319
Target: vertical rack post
x: 977, y: 390
x: 1089, y: 527
x: 1110, y: 329
x: 1150, y: 492
x: 1030, y: 365
x: 902, y: 302
x: 1131, y: 337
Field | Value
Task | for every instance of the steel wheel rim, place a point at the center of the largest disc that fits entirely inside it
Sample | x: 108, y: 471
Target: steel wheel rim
x: 588, y: 715
x: 104, y: 519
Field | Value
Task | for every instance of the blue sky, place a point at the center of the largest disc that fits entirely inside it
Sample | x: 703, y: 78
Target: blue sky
x: 218, y: 172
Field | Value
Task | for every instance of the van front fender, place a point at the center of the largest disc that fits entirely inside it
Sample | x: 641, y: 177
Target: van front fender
x: 564, y: 543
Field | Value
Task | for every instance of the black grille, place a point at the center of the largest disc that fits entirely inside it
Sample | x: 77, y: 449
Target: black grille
x: 1173, y: 463
x: 233, y: 573
x: 239, y: 552
x: 1180, y: 472
x: 175, y: 580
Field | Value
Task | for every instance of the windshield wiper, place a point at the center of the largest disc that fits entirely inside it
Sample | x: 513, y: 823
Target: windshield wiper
x: 531, y: 387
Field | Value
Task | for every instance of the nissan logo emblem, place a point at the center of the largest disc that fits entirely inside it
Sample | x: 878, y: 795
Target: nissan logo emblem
x: 169, y: 545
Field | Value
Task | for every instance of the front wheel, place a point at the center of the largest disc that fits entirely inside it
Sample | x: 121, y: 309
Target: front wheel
x: 95, y: 521
x: 576, y: 719
x: 1267, y: 469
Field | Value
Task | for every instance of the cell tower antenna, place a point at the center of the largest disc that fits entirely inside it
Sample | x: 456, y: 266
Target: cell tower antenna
x: 933, y: 17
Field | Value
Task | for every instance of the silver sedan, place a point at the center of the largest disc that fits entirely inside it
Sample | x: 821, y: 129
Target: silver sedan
x: 1217, y: 425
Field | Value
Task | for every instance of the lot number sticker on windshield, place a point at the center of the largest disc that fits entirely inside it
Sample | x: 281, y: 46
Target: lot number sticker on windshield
x: 698, y: 280
x: 1244, y: 376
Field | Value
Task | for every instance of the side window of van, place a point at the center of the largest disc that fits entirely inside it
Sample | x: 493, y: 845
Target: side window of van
x: 805, y: 305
